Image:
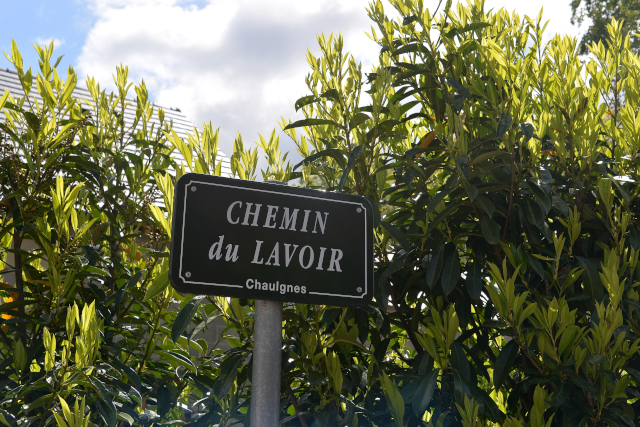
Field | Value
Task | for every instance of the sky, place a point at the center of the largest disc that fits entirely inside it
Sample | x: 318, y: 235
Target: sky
x: 239, y: 64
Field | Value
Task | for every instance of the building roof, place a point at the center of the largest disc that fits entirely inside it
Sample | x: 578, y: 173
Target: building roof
x: 9, y: 80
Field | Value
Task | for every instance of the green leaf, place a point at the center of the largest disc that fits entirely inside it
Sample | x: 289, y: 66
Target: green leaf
x: 184, y: 317
x: 622, y: 190
x: 474, y: 280
x: 504, y: 363
x: 560, y: 204
x: 435, y: 266
x: 591, y: 279
x: 444, y: 214
x: 332, y: 94
x: 470, y: 27
x: 165, y: 403
x: 352, y: 341
x: 7, y: 419
x: 108, y: 412
x: 3, y: 100
x: 305, y: 100
x: 450, y: 185
x: 450, y: 271
x: 597, y: 358
x: 408, y: 48
x: 95, y: 270
x: 534, y: 212
x: 634, y: 238
x: 158, y: 286
x: 355, y: 153
x: 397, y: 234
x: 396, y: 265
x: 527, y: 129
x: 472, y: 191
x: 310, y: 122
x: 460, y: 387
x: 335, y: 153
x: 129, y: 372
x: 123, y: 416
x: 463, y: 91
x: 487, y: 205
x: 560, y: 395
x: 486, y: 156
x: 228, y: 372
x: 490, y: 229
x: 460, y: 362
x: 179, y: 358
x: 201, y: 326
x: 540, y: 194
x: 423, y: 395
x: 394, y: 399
x: 503, y: 125
x: 359, y: 118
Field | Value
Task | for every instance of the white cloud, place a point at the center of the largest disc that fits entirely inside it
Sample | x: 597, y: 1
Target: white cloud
x: 239, y: 64
x: 42, y: 41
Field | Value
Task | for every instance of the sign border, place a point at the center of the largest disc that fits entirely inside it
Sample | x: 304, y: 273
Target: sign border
x: 193, y: 178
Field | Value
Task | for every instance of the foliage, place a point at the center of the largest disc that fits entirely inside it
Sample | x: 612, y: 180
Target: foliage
x: 86, y: 334
x: 503, y: 172
x: 600, y: 12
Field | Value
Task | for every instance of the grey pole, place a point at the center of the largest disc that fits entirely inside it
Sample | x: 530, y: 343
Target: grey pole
x: 267, y: 343
x: 265, y: 393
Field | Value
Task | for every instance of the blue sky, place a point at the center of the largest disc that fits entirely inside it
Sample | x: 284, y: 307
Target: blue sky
x: 33, y: 21
x: 239, y: 64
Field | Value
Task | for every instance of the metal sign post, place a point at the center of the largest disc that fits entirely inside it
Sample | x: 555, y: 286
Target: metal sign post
x: 267, y: 342
x: 273, y: 244
x: 267, y: 363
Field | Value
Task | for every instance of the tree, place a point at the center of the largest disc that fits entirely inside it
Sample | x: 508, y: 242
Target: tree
x: 507, y: 196
x: 600, y: 12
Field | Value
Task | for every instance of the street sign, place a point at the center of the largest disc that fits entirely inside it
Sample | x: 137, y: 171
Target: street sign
x: 265, y: 241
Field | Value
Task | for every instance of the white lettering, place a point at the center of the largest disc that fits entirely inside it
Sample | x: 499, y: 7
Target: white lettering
x: 250, y: 286
x: 229, y: 212
x: 287, y: 257
x: 248, y: 213
x: 257, y: 253
x: 321, y: 258
x: 216, y: 249
x: 304, y: 221
x: 289, y: 221
x: 320, y: 221
x: 275, y: 255
x: 271, y: 216
x: 301, y: 257
x: 336, y: 256
x: 231, y: 256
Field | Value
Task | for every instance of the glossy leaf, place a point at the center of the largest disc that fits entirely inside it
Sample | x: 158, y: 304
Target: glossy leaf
x: 450, y: 271
x: 504, y: 363
x: 423, y: 395
x: 185, y: 316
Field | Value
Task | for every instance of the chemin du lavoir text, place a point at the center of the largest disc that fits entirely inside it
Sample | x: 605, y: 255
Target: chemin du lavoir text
x: 280, y: 254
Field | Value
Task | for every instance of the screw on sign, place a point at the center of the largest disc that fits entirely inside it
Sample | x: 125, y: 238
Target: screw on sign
x: 271, y: 243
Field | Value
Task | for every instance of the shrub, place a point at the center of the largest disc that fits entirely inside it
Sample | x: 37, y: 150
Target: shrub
x: 86, y: 331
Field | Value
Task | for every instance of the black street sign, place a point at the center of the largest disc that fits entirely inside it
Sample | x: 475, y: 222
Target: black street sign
x: 267, y: 241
